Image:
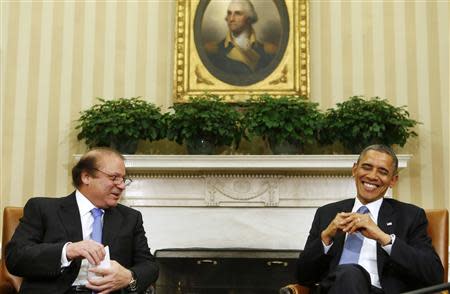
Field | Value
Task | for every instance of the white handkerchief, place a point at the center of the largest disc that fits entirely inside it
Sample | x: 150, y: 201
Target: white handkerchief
x: 105, y: 263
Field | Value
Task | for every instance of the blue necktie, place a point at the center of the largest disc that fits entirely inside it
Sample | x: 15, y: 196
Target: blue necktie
x: 353, y: 244
x: 97, y: 225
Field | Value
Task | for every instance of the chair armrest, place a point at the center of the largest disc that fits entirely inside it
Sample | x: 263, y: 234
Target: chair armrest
x: 6, y: 288
x: 440, y: 288
x: 294, y: 289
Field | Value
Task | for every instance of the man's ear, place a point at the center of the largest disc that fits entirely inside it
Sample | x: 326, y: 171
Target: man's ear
x: 354, y: 168
x: 394, y: 181
x: 85, y: 177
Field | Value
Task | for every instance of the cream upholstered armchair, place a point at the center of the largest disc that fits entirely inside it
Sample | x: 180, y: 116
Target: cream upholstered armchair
x: 9, y: 283
x: 438, y: 231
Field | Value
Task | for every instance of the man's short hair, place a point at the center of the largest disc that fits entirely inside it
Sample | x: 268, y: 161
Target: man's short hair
x: 88, y: 162
x: 248, y: 9
x: 384, y: 149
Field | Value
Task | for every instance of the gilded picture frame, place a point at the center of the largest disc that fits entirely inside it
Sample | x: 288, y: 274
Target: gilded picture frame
x: 201, y: 30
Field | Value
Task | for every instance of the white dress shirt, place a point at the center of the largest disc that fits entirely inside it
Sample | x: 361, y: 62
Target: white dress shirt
x: 368, y: 255
x: 84, y: 206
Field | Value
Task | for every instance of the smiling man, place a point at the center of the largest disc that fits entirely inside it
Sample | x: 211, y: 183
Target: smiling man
x: 370, y: 244
x: 60, y: 242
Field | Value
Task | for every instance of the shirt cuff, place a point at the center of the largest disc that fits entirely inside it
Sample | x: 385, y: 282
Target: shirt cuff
x: 326, y: 248
x: 64, y: 261
x: 388, y: 247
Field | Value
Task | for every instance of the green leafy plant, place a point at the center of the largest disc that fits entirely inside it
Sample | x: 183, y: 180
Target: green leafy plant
x: 291, y: 119
x: 119, y: 120
x: 359, y: 122
x: 207, y: 118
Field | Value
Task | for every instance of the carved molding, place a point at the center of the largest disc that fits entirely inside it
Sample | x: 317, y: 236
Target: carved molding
x: 201, y: 77
x: 282, y: 77
x: 157, y: 164
x: 241, y: 189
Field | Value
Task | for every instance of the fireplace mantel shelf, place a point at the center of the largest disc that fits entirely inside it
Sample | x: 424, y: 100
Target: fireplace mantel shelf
x: 246, y: 162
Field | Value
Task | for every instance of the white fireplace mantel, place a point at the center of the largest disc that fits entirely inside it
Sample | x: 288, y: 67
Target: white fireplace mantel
x: 333, y: 163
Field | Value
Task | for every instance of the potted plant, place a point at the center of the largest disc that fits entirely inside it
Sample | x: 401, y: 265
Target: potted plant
x: 120, y: 123
x: 359, y: 122
x: 204, y: 123
x: 287, y: 123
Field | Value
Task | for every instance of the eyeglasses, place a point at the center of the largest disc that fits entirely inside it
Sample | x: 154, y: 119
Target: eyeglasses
x: 116, y: 179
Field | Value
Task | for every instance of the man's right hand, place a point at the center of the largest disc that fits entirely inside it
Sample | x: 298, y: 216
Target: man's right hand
x: 337, y: 224
x: 94, y: 252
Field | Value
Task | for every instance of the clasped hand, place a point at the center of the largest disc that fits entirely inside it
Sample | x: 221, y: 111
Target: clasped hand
x: 113, y: 278
x: 94, y: 252
x: 351, y: 222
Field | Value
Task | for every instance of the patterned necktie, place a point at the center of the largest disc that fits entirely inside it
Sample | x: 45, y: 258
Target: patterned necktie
x: 353, y: 244
x: 97, y: 225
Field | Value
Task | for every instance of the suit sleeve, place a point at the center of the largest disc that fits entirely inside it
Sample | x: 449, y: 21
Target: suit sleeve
x: 26, y: 254
x: 144, y: 264
x: 416, y: 254
x: 313, y: 262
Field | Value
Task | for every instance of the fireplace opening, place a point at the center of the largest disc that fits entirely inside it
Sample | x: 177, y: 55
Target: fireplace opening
x: 224, y: 271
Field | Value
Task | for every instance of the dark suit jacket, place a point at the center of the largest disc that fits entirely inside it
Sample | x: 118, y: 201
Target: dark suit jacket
x: 48, y: 223
x: 413, y: 263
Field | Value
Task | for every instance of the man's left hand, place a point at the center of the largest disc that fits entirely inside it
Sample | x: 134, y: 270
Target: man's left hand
x: 114, y: 278
x: 368, y: 228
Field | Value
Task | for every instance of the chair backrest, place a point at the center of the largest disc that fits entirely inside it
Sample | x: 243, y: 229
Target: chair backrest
x: 438, y: 231
x: 11, y: 216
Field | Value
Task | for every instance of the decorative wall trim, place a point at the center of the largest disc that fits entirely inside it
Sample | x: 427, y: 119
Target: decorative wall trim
x: 332, y: 163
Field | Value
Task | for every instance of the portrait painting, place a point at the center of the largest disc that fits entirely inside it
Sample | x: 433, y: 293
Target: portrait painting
x: 240, y: 48
x: 241, y: 41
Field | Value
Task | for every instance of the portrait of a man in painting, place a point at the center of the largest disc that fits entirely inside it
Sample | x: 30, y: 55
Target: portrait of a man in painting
x: 241, y: 42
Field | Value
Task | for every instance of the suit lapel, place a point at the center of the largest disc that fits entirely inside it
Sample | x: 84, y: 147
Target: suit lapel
x: 70, y: 218
x: 112, y: 221
x: 69, y: 215
x: 386, y: 222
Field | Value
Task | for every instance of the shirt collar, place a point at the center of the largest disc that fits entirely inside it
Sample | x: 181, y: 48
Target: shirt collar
x: 84, y: 205
x: 374, y: 207
x: 229, y: 38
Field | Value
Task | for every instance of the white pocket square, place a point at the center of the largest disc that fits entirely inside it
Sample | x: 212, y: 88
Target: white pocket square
x: 389, y: 224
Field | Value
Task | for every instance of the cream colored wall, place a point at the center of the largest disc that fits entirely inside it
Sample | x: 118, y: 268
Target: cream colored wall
x: 56, y: 57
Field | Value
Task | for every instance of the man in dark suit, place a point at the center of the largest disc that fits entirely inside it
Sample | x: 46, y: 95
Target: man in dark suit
x: 370, y: 244
x: 53, y: 247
